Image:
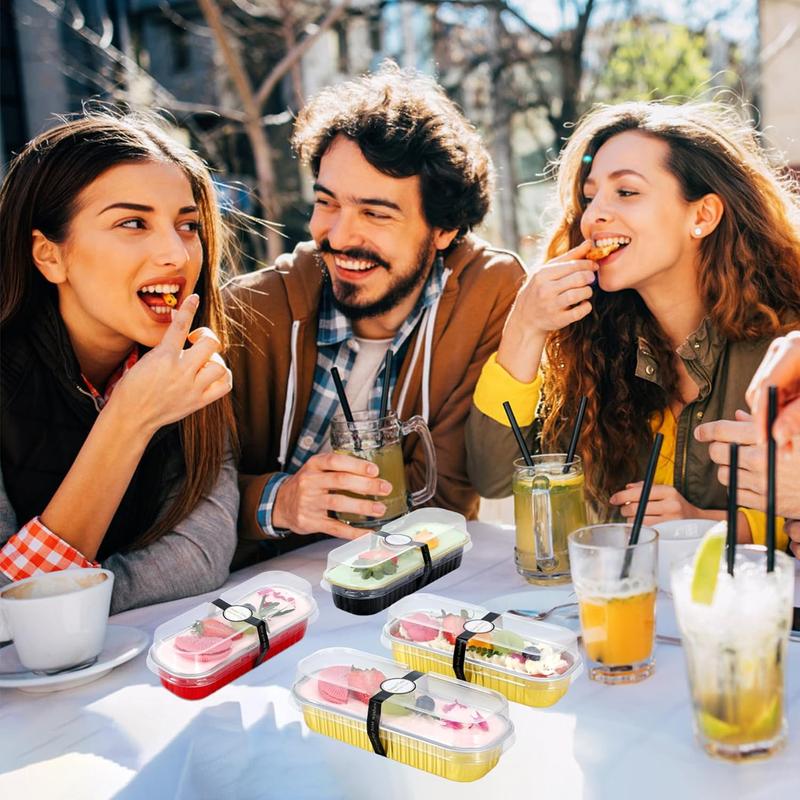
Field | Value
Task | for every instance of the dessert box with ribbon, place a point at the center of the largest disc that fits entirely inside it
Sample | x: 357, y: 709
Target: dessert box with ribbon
x: 437, y: 724
x: 529, y: 662
x: 368, y: 574
x: 201, y: 650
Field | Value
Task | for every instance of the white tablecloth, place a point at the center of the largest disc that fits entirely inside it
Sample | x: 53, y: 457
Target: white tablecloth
x: 125, y: 736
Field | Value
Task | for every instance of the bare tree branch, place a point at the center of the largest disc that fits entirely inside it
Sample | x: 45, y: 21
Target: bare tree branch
x: 293, y: 56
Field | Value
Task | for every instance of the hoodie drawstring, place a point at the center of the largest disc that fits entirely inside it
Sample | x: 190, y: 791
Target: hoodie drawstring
x: 291, y: 393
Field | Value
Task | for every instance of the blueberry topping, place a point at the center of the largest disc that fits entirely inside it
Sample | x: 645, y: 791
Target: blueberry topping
x: 533, y: 653
x: 425, y: 703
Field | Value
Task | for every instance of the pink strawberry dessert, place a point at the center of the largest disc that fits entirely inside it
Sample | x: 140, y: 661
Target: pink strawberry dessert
x: 203, y: 648
x: 365, y: 682
x: 420, y: 627
x: 332, y: 684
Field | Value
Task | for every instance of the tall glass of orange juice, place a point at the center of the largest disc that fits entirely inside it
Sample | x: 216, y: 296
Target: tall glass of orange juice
x: 616, y: 587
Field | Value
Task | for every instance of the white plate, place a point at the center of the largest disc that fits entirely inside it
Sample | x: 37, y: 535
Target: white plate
x: 121, y: 645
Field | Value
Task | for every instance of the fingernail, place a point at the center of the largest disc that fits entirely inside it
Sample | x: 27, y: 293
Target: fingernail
x: 386, y: 487
x: 373, y: 470
x: 379, y: 509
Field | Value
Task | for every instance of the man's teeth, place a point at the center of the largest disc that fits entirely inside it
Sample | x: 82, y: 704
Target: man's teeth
x: 618, y: 240
x: 161, y: 288
x: 352, y: 264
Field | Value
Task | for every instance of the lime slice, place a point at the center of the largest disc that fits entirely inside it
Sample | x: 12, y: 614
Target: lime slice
x: 768, y: 722
x: 706, y: 565
x: 715, y: 728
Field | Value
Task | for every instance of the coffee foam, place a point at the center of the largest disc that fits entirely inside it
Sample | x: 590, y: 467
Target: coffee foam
x: 55, y: 583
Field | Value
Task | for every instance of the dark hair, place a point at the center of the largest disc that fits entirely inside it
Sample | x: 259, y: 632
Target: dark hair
x: 748, y: 277
x: 405, y: 125
x: 41, y: 192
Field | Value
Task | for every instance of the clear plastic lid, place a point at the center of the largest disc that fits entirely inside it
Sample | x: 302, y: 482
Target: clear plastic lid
x: 426, y: 707
x: 206, y: 639
x: 517, y: 647
x: 381, y: 560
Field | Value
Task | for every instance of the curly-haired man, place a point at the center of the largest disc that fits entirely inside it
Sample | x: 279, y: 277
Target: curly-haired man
x: 400, y: 180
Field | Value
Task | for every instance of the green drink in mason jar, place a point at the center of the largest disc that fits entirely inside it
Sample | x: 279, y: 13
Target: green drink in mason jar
x: 548, y: 505
x: 379, y: 440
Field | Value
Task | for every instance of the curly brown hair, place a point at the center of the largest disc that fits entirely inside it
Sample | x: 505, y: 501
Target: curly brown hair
x: 405, y: 125
x: 749, y: 279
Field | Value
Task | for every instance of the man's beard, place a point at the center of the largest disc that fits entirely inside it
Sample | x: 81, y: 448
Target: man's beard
x: 344, y: 293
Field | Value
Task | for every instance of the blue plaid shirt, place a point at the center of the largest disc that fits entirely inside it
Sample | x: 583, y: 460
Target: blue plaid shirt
x: 335, y: 349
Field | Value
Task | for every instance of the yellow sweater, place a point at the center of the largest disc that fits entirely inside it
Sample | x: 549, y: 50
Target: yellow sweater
x: 495, y: 385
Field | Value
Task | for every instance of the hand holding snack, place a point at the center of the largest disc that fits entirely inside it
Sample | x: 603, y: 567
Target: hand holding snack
x: 557, y: 293
x: 553, y: 296
x: 305, y: 498
x: 170, y: 382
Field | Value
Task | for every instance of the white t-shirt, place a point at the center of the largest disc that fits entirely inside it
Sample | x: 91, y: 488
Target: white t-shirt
x: 370, y: 354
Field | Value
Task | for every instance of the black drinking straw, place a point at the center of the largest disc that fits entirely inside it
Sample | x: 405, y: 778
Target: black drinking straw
x: 643, y: 498
x: 733, y: 512
x: 576, y: 432
x: 348, y: 414
x: 387, y: 376
x: 526, y: 454
x: 772, y: 412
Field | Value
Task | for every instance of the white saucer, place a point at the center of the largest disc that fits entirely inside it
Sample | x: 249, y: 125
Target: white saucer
x: 122, y: 644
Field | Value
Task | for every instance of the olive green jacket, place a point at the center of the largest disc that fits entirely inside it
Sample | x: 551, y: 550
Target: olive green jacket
x: 722, y: 371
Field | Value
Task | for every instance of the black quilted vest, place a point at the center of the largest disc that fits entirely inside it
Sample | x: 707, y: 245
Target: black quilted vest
x: 47, y: 414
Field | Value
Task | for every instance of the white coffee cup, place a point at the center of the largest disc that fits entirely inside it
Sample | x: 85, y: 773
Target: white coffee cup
x: 677, y: 539
x: 57, y: 619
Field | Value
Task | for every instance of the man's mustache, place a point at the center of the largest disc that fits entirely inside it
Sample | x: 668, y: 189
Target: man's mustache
x: 356, y: 253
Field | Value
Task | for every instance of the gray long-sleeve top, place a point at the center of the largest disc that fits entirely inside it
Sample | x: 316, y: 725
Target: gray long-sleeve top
x: 193, y: 558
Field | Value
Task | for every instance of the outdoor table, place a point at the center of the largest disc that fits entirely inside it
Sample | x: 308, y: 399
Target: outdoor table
x: 125, y: 736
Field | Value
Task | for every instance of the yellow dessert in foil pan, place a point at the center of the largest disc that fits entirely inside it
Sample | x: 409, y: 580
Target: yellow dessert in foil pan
x: 529, y: 662
x: 441, y: 725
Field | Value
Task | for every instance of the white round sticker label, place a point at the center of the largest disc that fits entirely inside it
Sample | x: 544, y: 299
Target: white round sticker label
x: 237, y: 613
x: 478, y: 626
x: 397, y: 539
x: 398, y: 686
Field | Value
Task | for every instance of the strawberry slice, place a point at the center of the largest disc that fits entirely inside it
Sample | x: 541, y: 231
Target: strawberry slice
x: 332, y: 684
x: 216, y: 627
x: 452, y: 626
x: 420, y: 627
x: 203, y: 648
x: 365, y: 682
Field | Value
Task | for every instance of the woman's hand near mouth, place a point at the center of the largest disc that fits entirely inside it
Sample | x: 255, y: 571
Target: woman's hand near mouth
x: 555, y: 295
x: 170, y: 382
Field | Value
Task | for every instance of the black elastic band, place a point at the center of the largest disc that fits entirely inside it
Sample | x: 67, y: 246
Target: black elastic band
x: 259, y: 624
x: 460, y: 649
x: 374, y: 713
x: 427, y: 563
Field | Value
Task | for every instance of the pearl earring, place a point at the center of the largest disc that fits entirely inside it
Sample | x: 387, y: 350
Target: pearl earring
x: 698, y: 231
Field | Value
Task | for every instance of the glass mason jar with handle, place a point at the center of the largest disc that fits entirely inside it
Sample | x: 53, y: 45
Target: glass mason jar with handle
x: 379, y: 440
x: 548, y: 505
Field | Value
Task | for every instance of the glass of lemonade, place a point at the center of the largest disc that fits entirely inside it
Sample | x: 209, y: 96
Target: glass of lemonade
x: 616, y: 587
x: 548, y: 505
x: 735, y: 653
x: 379, y: 439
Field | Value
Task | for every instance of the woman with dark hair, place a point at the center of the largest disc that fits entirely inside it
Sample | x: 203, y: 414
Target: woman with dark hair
x: 116, y: 436
x: 699, y: 270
